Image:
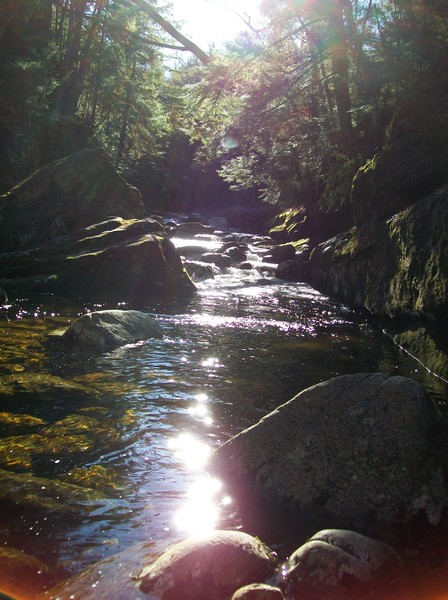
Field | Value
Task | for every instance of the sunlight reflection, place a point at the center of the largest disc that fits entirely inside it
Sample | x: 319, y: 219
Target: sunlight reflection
x: 211, y: 362
x: 200, y: 514
x: 192, y: 452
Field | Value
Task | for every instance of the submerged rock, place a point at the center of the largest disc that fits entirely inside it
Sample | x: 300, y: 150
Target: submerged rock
x: 355, y: 450
x: 336, y: 564
x: 47, y: 495
x: 209, y: 568
x: 42, y: 387
x: 15, y: 424
x: 107, y: 329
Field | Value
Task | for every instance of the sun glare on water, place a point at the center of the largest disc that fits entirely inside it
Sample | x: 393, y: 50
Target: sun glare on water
x: 200, y: 512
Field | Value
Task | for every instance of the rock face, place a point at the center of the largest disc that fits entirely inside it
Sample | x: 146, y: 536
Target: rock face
x: 397, y: 269
x: 66, y: 195
x: 403, y: 269
x: 208, y: 569
x: 108, y: 329
x: 337, y: 564
x: 355, y: 450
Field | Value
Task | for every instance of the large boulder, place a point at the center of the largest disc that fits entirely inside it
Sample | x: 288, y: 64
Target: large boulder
x: 210, y: 568
x: 115, y: 260
x: 108, y: 329
x: 353, y: 451
x: 336, y: 564
x: 66, y: 195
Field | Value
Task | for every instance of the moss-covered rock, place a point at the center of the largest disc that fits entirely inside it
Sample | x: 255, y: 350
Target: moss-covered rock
x: 68, y: 194
x: 401, y: 269
x: 134, y: 266
x: 412, y: 163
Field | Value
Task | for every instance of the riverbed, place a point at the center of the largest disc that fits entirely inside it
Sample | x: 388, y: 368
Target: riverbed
x: 242, y: 345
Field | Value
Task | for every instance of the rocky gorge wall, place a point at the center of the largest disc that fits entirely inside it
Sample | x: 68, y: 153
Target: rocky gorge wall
x: 394, y: 261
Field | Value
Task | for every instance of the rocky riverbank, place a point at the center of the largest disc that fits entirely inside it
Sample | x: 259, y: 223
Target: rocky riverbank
x: 365, y: 451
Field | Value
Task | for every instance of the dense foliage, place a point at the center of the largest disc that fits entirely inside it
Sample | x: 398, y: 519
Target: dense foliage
x: 77, y: 73
x: 291, y: 109
x: 295, y: 108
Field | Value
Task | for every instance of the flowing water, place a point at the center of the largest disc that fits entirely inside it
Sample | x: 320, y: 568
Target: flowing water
x: 244, y: 344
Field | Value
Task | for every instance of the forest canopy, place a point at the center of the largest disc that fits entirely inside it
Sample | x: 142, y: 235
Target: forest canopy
x: 291, y: 109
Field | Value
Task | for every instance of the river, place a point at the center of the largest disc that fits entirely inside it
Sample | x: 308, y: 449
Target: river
x: 242, y: 345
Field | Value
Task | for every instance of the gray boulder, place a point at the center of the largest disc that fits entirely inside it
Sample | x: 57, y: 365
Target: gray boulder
x: 108, y: 329
x: 337, y: 564
x: 210, y: 568
x: 220, y: 260
x: 354, y: 450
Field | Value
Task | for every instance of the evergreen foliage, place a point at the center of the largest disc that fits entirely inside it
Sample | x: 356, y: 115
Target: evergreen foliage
x: 291, y: 110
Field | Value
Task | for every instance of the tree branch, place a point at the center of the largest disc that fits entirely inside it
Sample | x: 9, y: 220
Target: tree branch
x: 172, y: 31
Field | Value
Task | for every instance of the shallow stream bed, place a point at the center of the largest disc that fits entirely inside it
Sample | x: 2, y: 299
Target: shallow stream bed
x: 152, y: 412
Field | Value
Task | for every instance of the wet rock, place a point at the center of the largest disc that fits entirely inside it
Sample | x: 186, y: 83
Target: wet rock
x: 236, y: 253
x: 108, y: 579
x: 354, y: 450
x: 210, y: 568
x: 280, y: 253
x: 337, y: 564
x: 23, y: 575
x: 258, y: 591
x: 68, y: 194
x: 290, y: 270
x: 220, y: 260
x: 191, y: 229
x: 107, y: 329
x: 199, y: 270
